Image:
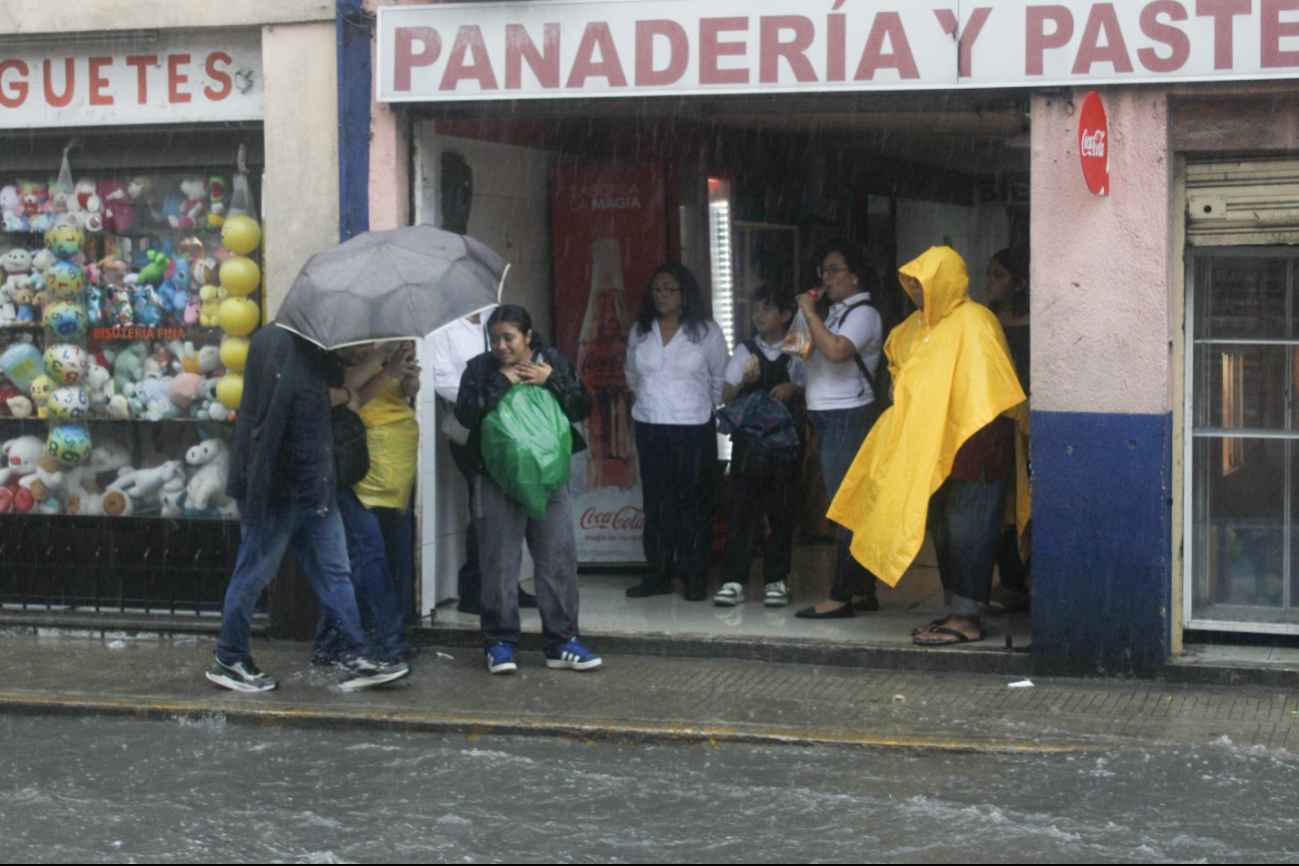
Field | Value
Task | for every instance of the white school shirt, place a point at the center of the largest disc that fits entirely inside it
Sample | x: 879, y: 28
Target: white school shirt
x: 679, y: 383
x: 453, y: 348
x: 735, y: 367
x: 842, y: 386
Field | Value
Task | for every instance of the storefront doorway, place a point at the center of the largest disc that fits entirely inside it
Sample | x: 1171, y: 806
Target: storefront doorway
x: 744, y: 191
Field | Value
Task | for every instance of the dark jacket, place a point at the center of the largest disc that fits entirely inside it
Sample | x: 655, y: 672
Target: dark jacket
x: 483, y: 385
x: 282, y: 453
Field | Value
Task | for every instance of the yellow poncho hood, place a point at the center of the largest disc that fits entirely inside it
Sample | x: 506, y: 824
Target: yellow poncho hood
x: 952, y: 376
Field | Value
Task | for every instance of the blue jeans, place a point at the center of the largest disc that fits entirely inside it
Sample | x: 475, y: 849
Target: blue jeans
x: 965, y: 522
x: 319, y: 542
x: 842, y: 432
x: 376, y: 595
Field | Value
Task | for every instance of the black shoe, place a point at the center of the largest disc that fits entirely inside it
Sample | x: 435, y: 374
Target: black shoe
x: 646, y: 588
x: 363, y: 673
x: 470, y: 606
x: 867, y: 605
x: 241, y: 676
x: 842, y: 612
x: 526, y: 599
x: 696, y: 592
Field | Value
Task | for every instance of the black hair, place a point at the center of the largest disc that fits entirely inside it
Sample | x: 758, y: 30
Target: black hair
x: 513, y: 314
x: 1015, y: 261
x: 694, y: 311
x: 772, y: 297
x: 858, y: 264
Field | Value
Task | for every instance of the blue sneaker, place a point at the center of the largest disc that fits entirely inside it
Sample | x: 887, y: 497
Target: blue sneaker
x: 573, y: 656
x: 500, y: 659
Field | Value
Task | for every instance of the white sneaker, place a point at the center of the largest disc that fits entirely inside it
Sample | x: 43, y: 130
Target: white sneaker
x: 776, y: 595
x: 729, y: 595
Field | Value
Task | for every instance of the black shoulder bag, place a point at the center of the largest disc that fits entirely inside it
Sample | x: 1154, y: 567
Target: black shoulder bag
x: 351, y: 453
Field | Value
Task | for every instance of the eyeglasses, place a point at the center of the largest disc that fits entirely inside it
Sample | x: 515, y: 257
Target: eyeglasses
x: 831, y: 271
x: 665, y: 291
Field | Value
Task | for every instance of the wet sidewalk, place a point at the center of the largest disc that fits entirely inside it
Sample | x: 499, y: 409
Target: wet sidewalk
x: 644, y: 699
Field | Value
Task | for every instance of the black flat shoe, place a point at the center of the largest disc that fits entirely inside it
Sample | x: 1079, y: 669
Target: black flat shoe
x: 842, y: 612
x: 647, y: 588
x: 527, y: 599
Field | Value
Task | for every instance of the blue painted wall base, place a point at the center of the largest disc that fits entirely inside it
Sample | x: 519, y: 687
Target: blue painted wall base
x: 1102, y: 539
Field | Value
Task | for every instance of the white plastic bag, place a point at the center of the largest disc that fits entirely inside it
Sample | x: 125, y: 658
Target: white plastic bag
x: 798, y: 339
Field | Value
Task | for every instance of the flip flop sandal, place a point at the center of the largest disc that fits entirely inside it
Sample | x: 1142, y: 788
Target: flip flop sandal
x: 929, y: 625
x: 950, y: 632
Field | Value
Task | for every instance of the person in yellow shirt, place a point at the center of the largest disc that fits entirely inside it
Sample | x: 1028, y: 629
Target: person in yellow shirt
x: 941, y: 456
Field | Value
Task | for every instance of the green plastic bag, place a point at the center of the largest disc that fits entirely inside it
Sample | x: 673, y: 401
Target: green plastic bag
x: 528, y: 447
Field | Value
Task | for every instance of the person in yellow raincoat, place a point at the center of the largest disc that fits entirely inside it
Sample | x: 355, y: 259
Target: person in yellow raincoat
x: 942, y: 455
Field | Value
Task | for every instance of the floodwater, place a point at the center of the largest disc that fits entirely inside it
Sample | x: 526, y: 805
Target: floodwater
x: 96, y: 790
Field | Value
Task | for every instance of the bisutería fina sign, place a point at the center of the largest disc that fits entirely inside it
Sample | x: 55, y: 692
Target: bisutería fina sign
x: 515, y: 50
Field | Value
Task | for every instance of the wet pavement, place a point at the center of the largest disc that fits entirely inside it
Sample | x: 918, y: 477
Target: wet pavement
x: 637, y: 699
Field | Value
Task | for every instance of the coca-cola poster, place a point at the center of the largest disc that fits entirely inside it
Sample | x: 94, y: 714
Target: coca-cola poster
x: 609, y: 233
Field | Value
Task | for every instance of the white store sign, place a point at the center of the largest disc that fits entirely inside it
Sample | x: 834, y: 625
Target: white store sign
x: 174, y: 79
x: 486, y: 51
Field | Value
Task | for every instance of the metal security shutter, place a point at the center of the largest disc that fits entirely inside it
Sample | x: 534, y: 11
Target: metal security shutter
x: 1252, y: 203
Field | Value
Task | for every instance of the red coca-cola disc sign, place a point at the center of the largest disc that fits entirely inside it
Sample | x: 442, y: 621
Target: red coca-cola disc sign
x: 1094, y: 145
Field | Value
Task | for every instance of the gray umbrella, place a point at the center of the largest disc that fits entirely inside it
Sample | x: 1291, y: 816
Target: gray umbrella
x: 392, y: 285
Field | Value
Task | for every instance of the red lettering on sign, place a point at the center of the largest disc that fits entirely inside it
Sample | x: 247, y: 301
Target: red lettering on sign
x: 888, y: 25
x: 98, y: 82
x: 406, y: 59
x: 969, y: 36
x: 469, y: 40
x: 627, y: 517
x: 793, y: 51
x: 69, y: 83
x: 712, y: 49
x: 1114, y: 51
x: 836, y: 61
x: 14, y: 94
x: 175, y: 78
x: 544, y: 64
x: 597, y: 36
x: 1039, y: 41
x: 678, y: 53
x: 218, y: 75
x: 1167, y: 34
x: 1223, y: 13
x: 1274, y: 30
x: 142, y: 62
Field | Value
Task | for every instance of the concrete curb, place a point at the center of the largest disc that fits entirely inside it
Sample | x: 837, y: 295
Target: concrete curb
x: 617, y: 732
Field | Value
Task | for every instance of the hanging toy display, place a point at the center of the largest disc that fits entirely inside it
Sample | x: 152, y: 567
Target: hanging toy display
x: 239, y: 275
x: 234, y: 354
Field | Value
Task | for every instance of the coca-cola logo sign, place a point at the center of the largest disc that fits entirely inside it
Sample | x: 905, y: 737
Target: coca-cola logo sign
x: 1094, y: 145
x: 627, y: 517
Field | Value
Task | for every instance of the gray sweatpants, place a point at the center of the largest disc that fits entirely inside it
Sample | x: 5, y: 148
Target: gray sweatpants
x: 503, y: 525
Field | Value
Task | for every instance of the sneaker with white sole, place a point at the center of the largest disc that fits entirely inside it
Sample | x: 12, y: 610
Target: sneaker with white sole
x: 241, y: 676
x: 729, y: 595
x: 364, y: 673
x: 571, y: 655
x: 500, y: 659
x: 777, y: 595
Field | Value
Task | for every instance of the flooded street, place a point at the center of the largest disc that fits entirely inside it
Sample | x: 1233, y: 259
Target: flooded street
x: 100, y: 790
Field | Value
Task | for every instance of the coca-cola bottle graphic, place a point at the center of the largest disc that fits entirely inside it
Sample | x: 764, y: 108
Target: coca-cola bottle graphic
x: 611, y: 460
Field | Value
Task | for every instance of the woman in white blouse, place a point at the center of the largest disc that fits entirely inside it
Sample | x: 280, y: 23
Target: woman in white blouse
x: 676, y: 362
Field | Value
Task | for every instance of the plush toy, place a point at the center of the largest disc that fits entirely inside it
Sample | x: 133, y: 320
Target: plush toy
x: 193, y: 209
x: 119, y: 214
x: 218, y: 200
x: 128, y: 364
x: 17, y: 264
x: 211, y: 310
x: 121, y: 308
x: 156, y: 270
x: 150, y: 400
x: 99, y: 388
x: 22, y: 456
x: 47, y: 483
x: 184, y: 389
x: 107, y: 458
x: 24, y: 301
x: 33, y: 199
x: 145, y: 485
x: 11, y: 210
x: 94, y: 305
x: 174, y: 291
x: 20, y: 406
x: 147, y: 306
x: 42, y: 259
x: 208, y: 486
x: 89, y: 206
x: 42, y: 388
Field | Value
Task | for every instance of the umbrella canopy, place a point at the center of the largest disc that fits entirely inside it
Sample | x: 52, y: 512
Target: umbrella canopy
x: 393, y: 285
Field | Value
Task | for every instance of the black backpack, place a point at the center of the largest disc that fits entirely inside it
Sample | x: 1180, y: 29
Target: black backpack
x: 351, y: 452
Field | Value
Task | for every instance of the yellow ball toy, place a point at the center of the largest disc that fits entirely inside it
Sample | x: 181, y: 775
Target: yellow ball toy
x: 240, y: 275
x: 238, y: 317
x: 241, y: 234
x: 234, y: 354
x: 230, y: 390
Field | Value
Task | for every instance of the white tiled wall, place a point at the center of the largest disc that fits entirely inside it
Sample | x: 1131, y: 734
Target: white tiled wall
x: 511, y: 214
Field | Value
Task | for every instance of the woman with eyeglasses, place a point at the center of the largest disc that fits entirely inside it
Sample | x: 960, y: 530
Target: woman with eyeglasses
x: 841, y: 399
x: 676, y: 363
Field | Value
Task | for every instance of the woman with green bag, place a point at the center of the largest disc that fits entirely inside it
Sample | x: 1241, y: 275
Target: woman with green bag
x: 519, y: 402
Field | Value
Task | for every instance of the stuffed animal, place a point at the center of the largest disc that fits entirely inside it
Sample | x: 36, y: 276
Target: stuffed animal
x: 22, y: 456
x: 99, y: 387
x: 119, y: 213
x: 121, y: 309
x: 218, y: 201
x: 33, y: 199
x: 184, y: 389
x: 156, y: 270
x: 17, y: 264
x: 147, y: 306
x: 193, y: 209
x: 209, y: 313
x: 24, y: 301
x: 145, y: 486
x: 12, y: 218
x: 128, y: 364
x: 49, y: 482
x: 89, y: 207
x: 208, y: 486
x: 174, y: 291
x: 41, y: 389
x: 42, y: 259
x: 20, y: 406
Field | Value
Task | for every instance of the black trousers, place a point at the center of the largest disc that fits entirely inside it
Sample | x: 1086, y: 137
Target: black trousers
x: 761, y: 488
x: 678, y: 465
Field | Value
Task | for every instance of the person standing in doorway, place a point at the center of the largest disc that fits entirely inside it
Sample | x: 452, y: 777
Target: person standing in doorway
x: 842, y: 401
x: 453, y: 348
x: 676, y: 365
x: 282, y: 474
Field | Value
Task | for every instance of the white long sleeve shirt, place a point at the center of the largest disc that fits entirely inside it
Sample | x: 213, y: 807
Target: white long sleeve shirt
x: 453, y: 348
x: 679, y: 383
